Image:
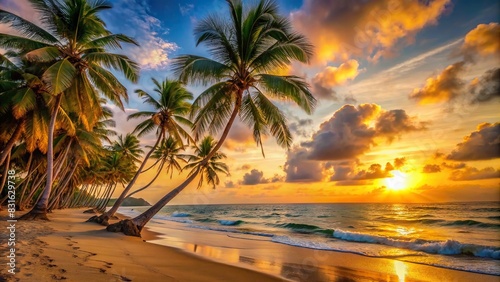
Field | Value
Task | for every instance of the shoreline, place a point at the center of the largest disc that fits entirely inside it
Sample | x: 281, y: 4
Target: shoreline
x: 304, y: 264
x: 67, y: 248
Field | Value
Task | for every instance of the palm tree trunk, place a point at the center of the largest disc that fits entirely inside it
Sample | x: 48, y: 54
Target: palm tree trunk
x: 40, y: 209
x: 144, y: 218
x: 141, y: 220
x: 4, y: 179
x: 76, y: 200
x: 13, y: 139
x: 5, y: 173
x: 120, y: 199
x: 63, y: 185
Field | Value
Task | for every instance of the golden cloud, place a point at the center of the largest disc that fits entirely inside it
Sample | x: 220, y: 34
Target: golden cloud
x: 323, y: 82
x: 444, y: 87
x: 483, y: 40
x: 343, y: 29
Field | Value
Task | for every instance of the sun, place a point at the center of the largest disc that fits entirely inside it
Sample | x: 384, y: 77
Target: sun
x: 399, y: 181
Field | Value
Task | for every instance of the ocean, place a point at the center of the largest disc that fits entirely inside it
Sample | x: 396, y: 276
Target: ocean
x: 461, y: 236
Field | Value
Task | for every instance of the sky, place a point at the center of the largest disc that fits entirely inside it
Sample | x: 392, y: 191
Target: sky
x: 408, y: 94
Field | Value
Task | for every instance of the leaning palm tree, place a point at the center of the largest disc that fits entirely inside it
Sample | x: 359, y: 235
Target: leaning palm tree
x: 168, y: 156
x: 246, y: 49
x: 74, y: 45
x: 167, y: 117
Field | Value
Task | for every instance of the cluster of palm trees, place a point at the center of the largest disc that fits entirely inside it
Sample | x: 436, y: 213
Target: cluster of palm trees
x: 56, y: 79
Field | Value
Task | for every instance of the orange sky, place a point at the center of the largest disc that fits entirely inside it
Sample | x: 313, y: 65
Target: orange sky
x: 408, y: 99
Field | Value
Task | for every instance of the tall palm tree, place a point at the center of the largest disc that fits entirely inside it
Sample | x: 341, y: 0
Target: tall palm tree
x: 167, y: 116
x: 167, y: 154
x: 75, y: 47
x: 245, y: 50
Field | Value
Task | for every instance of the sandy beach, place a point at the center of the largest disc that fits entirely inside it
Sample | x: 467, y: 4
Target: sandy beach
x: 68, y: 249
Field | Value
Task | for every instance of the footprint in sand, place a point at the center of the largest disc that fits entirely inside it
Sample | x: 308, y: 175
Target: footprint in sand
x: 76, y: 248
x: 125, y: 278
x: 62, y: 270
x: 58, y: 277
x: 102, y: 270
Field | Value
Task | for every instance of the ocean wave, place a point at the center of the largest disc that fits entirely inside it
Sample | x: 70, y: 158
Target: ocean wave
x: 448, y: 247
x: 306, y: 228
x: 231, y: 230
x: 470, y: 222
x: 174, y: 219
x: 494, y: 217
x: 180, y: 214
x: 303, y: 243
x: 429, y: 208
x: 230, y: 222
x: 487, y: 209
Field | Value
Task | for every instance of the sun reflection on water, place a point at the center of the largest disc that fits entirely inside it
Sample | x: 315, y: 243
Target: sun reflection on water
x: 401, y: 270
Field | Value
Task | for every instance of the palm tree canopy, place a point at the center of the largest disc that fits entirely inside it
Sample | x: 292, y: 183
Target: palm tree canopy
x: 209, y: 171
x: 169, y: 108
x: 128, y: 146
x: 246, y: 49
x: 168, y: 153
x: 73, y: 43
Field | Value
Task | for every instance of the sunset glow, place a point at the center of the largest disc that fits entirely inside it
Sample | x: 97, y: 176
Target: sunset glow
x: 398, y: 182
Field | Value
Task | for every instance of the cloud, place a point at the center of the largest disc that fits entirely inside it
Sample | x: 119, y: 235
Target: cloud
x: 257, y: 177
x: 483, y: 144
x: 395, y: 122
x: 154, y: 51
x: 342, y: 29
x: 399, y: 162
x: 323, y: 82
x: 301, y: 126
x: 483, y: 41
x: 472, y: 173
x: 431, y: 168
x: 185, y: 9
x: 454, y: 165
x: 230, y: 184
x: 487, y: 87
x: 443, y: 88
x: 348, y: 133
x: 350, y: 173
x: 253, y: 177
x: 299, y: 168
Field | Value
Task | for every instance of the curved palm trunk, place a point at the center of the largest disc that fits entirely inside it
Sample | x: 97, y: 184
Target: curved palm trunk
x: 40, y: 209
x: 133, y: 227
x: 147, y: 185
x: 13, y: 139
x: 5, y: 173
x: 63, y: 186
x: 103, y: 219
x: 76, y: 200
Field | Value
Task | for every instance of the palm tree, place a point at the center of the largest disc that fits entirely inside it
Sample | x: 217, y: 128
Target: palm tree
x: 128, y: 146
x: 166, y: 118
x: 208, y: 170
x: 167, y: 154
x: 74, y: 46
x: 246, y: 49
